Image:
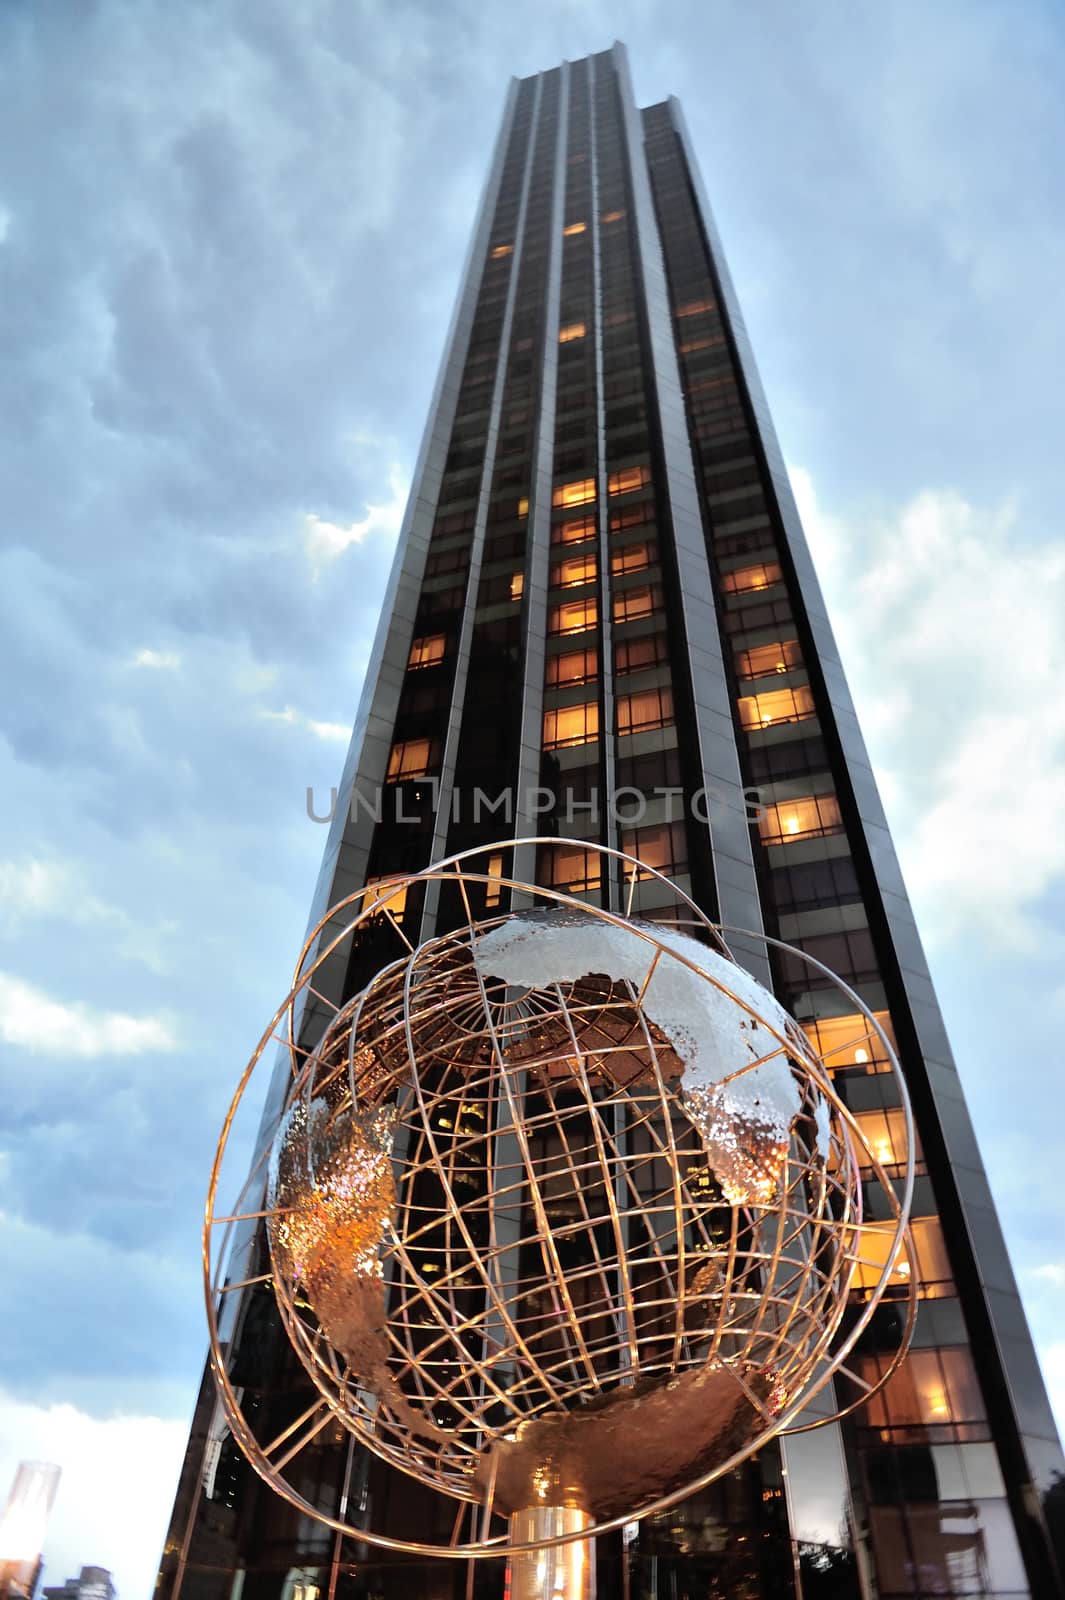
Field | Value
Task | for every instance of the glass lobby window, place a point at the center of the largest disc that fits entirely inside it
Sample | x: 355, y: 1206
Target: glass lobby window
x: 412, y: 758
x: 663, y: 846
x: 428, y: 651
x: 573, y: 228
x: 634, y: 557
x: 573, y: 571
x: 575, y: 616
x: 779, y: 705
x: 846, y: 1043
x: 572, y: 330
x: 809, y: 818
x: 578, y: 492
x: 638, y: 713
x: 933, y: 1265
x: 628, y: 479
x: 569, y: 725
x: 578, y: 666
x: 567, y: 866
x: 637, y: 655
x: 763, y: 659
x: 744, y: 579
x: 574, y: 531
x: 631, y: 604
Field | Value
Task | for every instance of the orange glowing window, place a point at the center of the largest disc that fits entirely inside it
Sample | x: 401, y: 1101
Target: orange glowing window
x: 628, y: 479
x: 762, y: 659
x: 413, y: 758
x: 613, y: 216
x: 884, y: 1133
x: 501, y: 250
x: 933, y: 1265
x: 394, y: 902
x: 573, y: 571
x: 634, y: 557
x: 694, y: 308
x: 809, y: 818
x: 576, y: 666
x: 517, y: 586
x: 575, y: 616
x: 632, y: 604
x: 572, y: 228
x: 579, y: 492
x: 759, y: 576
x: 567, y: 866
x: 575, y: 531
x: 493, y: 892
x: 848, y: 1043
x: 428, y: 651
x: 639, y: 713
x: 572, y: 330
x: 569, y: 725
x: 523, y: 506
x: 778, y: 705
x: 690, y: 346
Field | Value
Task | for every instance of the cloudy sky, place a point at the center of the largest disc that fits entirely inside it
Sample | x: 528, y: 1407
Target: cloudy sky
x: 230, y: 235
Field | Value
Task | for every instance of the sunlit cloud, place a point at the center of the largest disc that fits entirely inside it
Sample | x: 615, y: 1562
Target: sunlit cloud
x: 157, y: 660
x: 325, y: 541
x: 34, y: 1021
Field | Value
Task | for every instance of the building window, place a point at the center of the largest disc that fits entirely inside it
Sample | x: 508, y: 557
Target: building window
x: 575, y: 531
x: 427, y: 652
x: 517, y: 585
x: 395, y: 902
x: 778, y: 705
x: 663, y: 847
x: 575, y: 616
x: 577, y: 666
x: 574, y: 571
x: 578, y: 492
x: 573, y: 228
x: 932, y: 1389
x: 634, y: 557
x: 639, y: 713
x: 809, y: 818
x: 412, y: 758
x: 631, y: 604
x: 744, y: 579
x: 632, y: 516
x: 628, y: 479
x: 695, y: 308
x: 493, y: 892
x: 567, y: 866
x: 762, y: 659
x: 637, y: 655
x: 523, y: 506
x: 568, y: 725
x: 885, y: 1135
x: 612, y: 216
x: 849, y: 1044
x: 572, y: 330
x: 501, y: 250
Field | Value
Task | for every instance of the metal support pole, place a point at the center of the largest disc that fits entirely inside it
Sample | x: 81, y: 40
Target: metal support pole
x: 567, y: 1572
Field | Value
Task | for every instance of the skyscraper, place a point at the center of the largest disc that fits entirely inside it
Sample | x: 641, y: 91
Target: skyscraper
x: 603, y: 624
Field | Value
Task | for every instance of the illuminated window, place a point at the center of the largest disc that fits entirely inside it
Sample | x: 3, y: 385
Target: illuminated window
x: 652, y: 708
x: 566, y: 866
x: 414, y: 758
x: 760, y: 576
x: 395, y: 903
x: 612, y: 216
x: 934, y: 1281
x: 628, y: 479
x: 885, y: 1135
x: 428, y: 651
x: 574, y: 531
x: 663, y: 846
x: 572, y: 330
x: 577, y: 666
x: 932, y: 1389
x: 763, y: 659
x: 777, y: 705
x: 573, y: 571
x: 634, y: 557
x: 572, y: 228
x: 631, y: 604
x: 846, y: 1043
x: 517, y: 586
x: 695, y: 307
x: 575, y: 616
x: 501, y: 250
x: 493, y: 892
x: 577, y: 493
x: 635, y: 655
x: 568, y: 725
x: 799, y: 819
x: 523, y: 506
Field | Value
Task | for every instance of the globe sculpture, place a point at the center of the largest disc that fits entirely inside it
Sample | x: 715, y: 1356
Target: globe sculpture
x: 565, y: 1217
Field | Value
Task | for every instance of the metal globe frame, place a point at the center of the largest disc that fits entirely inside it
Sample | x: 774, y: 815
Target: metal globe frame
x: 326, y: 1062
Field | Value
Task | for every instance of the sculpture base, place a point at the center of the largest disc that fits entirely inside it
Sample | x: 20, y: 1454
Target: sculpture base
x: 566, y: 1572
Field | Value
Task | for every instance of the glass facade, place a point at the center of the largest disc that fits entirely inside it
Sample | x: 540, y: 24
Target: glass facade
x: 603, y: 625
